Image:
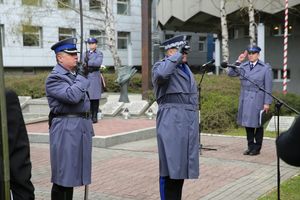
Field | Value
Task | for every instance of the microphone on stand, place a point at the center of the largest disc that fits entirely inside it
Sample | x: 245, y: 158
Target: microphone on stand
x: 225, y: 65
x: 209, y: 62
x: 208, y: 67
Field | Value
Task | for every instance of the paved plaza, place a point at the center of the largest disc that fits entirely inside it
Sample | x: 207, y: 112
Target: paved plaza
x: 129, y: 171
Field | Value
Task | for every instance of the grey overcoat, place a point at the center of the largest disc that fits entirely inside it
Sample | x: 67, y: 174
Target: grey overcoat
x: 95, y: 61
x: 252, y: 100
x: 70, y: 137
x: 177, y: 122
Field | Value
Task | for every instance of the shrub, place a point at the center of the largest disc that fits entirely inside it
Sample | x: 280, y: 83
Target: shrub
x: 28, y: 85
x: 290, y: 99
x: 219, y: 96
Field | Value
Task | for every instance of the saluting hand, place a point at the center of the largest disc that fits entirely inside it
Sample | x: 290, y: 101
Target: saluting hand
x: 181, y: 48
x: 242, y: 57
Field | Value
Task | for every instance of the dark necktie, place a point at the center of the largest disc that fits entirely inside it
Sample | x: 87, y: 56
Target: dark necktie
x: 185, y: 70
x: 251, y: 66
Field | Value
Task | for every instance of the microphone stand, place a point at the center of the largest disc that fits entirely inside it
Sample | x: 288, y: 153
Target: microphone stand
x: 199, y: 94
x: 278, y: 105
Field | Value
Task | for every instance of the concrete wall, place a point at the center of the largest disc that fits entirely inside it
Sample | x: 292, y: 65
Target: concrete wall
x: 14, y: 15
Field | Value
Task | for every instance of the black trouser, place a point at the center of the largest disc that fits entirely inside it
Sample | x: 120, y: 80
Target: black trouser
x: 61, y: 193
x: 255, y: 137
x: 94, y: 109
x: 170, y: 189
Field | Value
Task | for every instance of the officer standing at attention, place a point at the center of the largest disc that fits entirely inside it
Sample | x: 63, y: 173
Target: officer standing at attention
x: 93, y: 57
x: 177, y: 123
x: 71, y: 128
x: 252, y: 100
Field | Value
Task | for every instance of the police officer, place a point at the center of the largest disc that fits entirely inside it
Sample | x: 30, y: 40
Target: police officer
x: 252, y: 100
x: 177, y: 122
x: 19, y: 151
x: 71, y: 129
x: 93, y: 58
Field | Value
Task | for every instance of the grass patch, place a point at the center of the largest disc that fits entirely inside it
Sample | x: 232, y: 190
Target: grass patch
x: 289, y: 190
x: 242, y: 132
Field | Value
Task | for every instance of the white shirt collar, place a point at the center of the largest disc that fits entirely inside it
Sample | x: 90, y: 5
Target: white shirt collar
x: 254, y: 63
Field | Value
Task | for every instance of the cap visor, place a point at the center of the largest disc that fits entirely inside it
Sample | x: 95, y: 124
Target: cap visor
x: 71, y: 51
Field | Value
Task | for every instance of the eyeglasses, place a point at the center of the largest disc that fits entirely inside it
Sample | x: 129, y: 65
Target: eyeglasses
x: 252, y: 52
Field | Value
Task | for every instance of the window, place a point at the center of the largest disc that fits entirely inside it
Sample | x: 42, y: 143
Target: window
x: 2, y: 34
x: 123, y: 7
x: 202, y: 42
x: 28, y: 70
x: 123, y: 39
x: 278, y: 30
x: 100, y: 36
x: 278, y: 74
x: 32, y: 2
x: 168, y: 36
x: 32, y: 36
x: 95, y: 5
x: 65, y: 3
x: 64, y: 33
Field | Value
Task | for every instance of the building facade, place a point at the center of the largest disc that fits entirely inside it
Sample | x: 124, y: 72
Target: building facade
x: 200, y: 16
x: 30, y: 27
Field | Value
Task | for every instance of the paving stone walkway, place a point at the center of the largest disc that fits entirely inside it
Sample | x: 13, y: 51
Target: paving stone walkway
x: 129, y: 171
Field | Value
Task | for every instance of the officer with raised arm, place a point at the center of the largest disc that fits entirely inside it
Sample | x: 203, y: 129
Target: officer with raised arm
x: 177, y: 123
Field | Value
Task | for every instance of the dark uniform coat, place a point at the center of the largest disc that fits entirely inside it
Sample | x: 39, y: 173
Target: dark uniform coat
x: 95, y: 59
x: 70, y: 137
x: 19, y: 150
x: 252, y: 100
x: 177, y: 119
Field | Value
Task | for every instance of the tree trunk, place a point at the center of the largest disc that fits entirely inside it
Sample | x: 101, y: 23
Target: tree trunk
x: 252, y: 26
x: 110, y: 33
x: 224, y: 29
x: 124, y: 72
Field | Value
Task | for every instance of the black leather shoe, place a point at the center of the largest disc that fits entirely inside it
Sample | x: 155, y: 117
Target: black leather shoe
x: 247, y: 152
x: 254, y: 153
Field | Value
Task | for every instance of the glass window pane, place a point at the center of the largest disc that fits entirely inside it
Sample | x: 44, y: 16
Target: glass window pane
x: 288, y: 74
x: 202, y: 41
x: 64, y: 33
x: 275, y: 74
x: 31, y: 2
x: 95, y: 5
x: 64, y: 3
x: 2, y: 34
x: 100, y: 36
x: 123, y: 40
x: 122, y: 7
x: 31, y: 36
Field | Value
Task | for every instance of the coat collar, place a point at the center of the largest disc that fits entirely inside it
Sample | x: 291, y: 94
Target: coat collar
x: 259, y: 65
x: 60, y: 69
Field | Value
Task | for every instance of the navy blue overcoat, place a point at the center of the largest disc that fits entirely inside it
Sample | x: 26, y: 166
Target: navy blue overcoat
x: 177, y: 122
x: 70, y: 137
x: 95, y: 59
x: 252, y: 99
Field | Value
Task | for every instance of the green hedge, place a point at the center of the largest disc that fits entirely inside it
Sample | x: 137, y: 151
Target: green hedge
x: 219, y: 96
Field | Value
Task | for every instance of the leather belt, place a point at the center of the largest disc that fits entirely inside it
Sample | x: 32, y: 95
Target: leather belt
x: 83, y: 115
